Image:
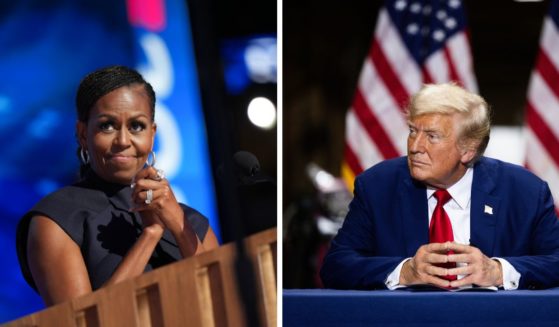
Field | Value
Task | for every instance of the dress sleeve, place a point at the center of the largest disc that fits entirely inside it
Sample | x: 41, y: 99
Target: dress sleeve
x: 199, y: 222
x: 68, y: 208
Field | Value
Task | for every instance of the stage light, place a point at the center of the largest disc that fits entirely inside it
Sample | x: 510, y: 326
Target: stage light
x: 260, y: 58
x: 262, y: 113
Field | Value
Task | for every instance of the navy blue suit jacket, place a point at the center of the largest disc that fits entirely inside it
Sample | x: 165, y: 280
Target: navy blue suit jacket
x: 388, y: 221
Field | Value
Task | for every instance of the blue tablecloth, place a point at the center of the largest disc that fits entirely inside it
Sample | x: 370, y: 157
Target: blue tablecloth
x: 318, y: 307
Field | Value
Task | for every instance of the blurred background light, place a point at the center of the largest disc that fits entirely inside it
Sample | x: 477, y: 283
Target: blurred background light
x: 247, y: 60
x: 262, y: 112
x: 261, y: 59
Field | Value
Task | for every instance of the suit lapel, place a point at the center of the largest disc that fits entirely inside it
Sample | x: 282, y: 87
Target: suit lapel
x: 414, y: 218
x: 484, y: 209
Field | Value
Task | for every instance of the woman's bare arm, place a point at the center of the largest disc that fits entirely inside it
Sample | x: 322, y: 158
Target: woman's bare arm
x: 138, y: 256
x: 56, y: 262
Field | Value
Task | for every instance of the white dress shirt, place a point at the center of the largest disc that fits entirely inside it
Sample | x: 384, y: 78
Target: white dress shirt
x: 458, y: 210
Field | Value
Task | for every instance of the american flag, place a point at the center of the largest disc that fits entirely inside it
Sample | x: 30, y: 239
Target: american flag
x: 415, y: 42
x: 542, y: 108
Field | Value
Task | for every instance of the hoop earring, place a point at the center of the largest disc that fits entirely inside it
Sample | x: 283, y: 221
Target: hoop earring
x: 84, y: 156
x: 153, y: 159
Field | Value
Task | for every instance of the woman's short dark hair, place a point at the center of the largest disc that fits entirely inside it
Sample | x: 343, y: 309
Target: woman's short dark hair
x: 99, y: 83
x: 102, y: 81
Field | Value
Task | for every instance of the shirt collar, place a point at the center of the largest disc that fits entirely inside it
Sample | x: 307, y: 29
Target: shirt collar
x: 118, y: 194
x: 461, y: 191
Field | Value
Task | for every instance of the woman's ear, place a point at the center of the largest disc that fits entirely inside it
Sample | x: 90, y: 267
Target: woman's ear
x: 154, y: 126
x: 81, y: 133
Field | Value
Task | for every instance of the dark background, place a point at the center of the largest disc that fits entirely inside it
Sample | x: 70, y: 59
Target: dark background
x: 325, y: 43
x: 214, y: 23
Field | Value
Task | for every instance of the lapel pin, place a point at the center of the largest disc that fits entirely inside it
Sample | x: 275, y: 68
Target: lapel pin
x: 488, y: 210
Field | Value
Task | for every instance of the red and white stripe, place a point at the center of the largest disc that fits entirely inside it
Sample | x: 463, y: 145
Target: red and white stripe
x: 542, y: 111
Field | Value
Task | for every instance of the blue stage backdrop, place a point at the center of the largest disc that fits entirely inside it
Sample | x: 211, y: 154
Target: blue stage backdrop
x: 47, y: 47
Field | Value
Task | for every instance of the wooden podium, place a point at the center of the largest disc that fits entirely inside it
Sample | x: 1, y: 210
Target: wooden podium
x: 198, y: 291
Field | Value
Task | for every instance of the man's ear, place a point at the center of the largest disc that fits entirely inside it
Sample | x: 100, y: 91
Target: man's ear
x: 468, y: 153
x: 81, y: 134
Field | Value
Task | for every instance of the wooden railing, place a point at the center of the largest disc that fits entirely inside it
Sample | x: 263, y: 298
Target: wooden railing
x: 198, y: 291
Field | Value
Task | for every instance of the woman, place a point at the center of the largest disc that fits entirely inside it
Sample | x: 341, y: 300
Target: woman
x: 122, y: 218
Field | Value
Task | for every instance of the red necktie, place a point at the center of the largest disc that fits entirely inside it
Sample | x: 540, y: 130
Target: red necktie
x: 440, y: 230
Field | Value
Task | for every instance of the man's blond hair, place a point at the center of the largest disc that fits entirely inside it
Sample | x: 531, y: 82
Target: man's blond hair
x: 448, y: 99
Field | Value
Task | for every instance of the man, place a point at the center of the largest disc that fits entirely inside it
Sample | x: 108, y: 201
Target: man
x: 445, y: 210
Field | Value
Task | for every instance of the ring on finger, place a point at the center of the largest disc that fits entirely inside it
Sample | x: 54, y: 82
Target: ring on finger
x: 160, y: 174
x: 149, y: 196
